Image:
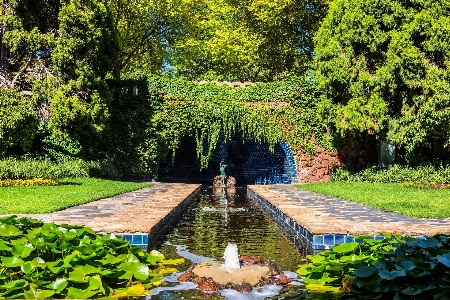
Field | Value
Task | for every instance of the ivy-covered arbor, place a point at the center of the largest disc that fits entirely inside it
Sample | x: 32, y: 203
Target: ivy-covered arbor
x: 214, y: 114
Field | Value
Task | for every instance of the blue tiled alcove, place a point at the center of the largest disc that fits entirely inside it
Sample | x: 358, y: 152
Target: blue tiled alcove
x: 249, y: 162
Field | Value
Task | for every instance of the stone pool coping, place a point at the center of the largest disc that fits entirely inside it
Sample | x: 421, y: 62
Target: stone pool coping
x: 324, y: 221
x: 311, y: 220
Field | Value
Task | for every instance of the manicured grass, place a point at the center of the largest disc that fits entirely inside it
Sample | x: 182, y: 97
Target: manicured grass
x: 73, y: 191
x: 389, y: 196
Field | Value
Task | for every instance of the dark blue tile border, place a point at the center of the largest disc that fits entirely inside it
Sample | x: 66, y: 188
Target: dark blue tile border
x: 306, y: 241
x: 291, y: 161
x: 137, y: 239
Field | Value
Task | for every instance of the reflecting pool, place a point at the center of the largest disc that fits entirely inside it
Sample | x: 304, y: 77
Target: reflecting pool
x: 219, y: 216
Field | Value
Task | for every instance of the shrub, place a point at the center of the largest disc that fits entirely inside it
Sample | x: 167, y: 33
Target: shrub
x: 44, y: 260
x: 395, y: 174
x: 393, y: 268
x: 12, y: 168
x: 18, y: 122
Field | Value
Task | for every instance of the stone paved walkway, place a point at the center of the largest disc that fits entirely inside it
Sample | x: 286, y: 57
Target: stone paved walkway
x: 141, y: 210
x: 132, y: 212
x: 322, y: 214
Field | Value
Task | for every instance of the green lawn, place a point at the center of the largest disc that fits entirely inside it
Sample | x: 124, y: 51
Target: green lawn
x: 73, y: 191
x: 389, y: 196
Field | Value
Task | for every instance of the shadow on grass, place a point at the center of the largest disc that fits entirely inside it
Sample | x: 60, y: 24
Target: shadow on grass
x: 71, y: 183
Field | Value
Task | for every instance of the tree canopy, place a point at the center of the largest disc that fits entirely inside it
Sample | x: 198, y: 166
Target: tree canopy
x: 384, y: 67
x: 246, y: 40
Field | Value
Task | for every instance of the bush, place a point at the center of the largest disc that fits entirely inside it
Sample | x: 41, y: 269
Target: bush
x: 18, y: 122
x: 393, y: 268
x: 12, y: 168
x: 396, y: 174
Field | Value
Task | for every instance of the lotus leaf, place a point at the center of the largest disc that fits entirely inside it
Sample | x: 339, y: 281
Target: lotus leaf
x: 4, y: 247
x: 136, y: 289
x: 444, y: 259
x: 111, y: 259
x: 38, y: 262
x: 365, y: 271
x: 22, y: 250
x: 57, y: 266
x: 166, y: 271
x: 406, y: 265
x: 173, y: 261
x: 412, y: 291
x: 27, y: 267
x: 58, y: 285
x: 75, y: 293
x: 79, y: 273
x: 389, y: 275
x: 9, y: 230
x: 11, y: 261
x: 38, y: 294
x: 346, y: 247
x: 138, y: 270
x: 128, y: 258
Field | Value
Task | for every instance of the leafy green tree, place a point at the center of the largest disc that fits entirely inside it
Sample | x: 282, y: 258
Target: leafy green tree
x: 384, y: 68
x: 59, y: 53
x: 245, y: 40
x: 144, y: 31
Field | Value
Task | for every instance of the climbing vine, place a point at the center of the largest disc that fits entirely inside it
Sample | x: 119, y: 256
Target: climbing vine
x: 268, y: 112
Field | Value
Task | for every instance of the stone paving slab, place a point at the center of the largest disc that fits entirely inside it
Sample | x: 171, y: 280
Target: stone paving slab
x: 134, y: 212
x: 321, y: 214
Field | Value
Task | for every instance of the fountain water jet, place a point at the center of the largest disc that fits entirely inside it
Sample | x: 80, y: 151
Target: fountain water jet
x: 231, y: 257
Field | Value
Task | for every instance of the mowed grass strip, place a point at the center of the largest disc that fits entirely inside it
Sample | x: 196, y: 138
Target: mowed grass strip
x: 418, y: 203
x: 73, y: 191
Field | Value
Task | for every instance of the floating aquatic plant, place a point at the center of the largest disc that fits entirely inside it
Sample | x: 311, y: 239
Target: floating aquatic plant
x: 42, y: 260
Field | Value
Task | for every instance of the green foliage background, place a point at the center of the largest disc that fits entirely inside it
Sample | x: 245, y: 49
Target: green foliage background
x: 384, y: 69
x: 381, y: 70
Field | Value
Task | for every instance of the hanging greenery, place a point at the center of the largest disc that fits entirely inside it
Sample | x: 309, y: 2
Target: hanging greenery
x: 267, y: 113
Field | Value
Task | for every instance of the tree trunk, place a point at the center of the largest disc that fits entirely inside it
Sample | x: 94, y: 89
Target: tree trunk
x: 117, y: 69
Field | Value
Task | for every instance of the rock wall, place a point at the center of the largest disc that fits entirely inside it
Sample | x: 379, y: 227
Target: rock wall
x: 318, y: 167
x: 356, y: 153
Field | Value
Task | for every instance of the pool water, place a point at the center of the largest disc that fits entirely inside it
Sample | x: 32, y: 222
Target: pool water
x: 219, y: 216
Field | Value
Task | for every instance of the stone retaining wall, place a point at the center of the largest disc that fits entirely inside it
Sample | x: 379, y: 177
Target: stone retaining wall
x: 318, y: 167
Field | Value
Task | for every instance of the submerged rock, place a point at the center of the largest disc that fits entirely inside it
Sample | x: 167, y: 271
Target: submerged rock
x: 248, y: 260
x: 281, y: 279
x: 255, y: 275
x: 245, y: 287
x: 185, y: 277
x: 274, y: 269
